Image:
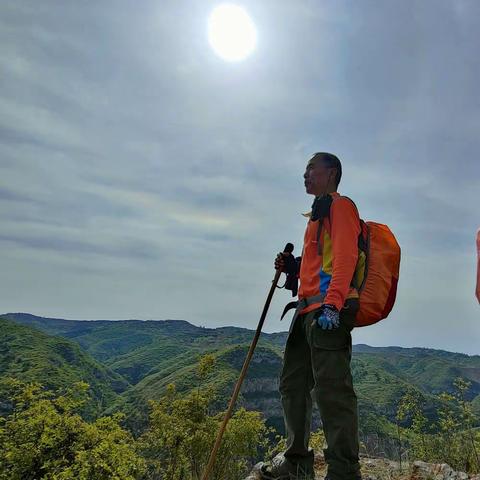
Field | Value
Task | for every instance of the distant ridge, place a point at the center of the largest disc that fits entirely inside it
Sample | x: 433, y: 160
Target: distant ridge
x: 150, y: 354
x: 46, y: 322
x: 364, y: 348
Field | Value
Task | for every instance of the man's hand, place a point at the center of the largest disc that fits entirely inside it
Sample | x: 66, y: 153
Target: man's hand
x: 285, y: 262
x: 328, y: 317
x: 280, y: 261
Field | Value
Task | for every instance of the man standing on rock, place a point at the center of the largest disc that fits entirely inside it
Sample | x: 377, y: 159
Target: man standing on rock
x: 319, y: 345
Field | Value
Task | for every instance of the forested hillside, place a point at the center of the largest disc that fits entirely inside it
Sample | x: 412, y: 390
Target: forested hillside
x: 150, y: 373
x: 145, y: 356
x: 30, y: 355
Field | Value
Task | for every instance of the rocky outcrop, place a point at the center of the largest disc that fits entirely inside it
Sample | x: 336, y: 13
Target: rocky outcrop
x: 384, y: 469
x: 438, y: 471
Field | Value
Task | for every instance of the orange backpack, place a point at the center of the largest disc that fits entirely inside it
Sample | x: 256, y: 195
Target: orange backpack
x: 377, y: 271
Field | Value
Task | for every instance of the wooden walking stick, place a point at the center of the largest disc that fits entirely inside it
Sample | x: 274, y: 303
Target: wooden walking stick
x: 288, y: 249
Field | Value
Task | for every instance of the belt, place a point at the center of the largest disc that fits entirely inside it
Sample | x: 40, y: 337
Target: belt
x: 301, y: 304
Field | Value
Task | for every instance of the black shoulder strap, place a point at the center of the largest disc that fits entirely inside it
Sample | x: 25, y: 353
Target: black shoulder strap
x: 320, y: 210
x: 319, y: 229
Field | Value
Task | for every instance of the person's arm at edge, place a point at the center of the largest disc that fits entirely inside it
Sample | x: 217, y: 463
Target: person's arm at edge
x: 345, y: 226
x: 477, y: 289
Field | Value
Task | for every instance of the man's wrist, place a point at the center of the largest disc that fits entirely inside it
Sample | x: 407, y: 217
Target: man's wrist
x: 329, y: 302
x: 331, y: 306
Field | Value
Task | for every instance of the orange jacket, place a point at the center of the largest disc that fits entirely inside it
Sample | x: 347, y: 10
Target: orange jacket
x: 331, y: 272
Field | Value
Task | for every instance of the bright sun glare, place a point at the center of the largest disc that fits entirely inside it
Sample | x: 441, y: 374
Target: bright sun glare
x: 231, y: 32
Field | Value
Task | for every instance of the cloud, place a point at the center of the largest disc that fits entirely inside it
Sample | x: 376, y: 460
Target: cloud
x: 145, y: 170
x: 64, y: 246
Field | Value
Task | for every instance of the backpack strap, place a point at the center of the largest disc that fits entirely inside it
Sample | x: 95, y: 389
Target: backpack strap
x: 319, y: 230
x: 299, y: 305
x: 320, y: 210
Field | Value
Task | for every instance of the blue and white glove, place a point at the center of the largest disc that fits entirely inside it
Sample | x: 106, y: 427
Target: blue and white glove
x: 328, y: 317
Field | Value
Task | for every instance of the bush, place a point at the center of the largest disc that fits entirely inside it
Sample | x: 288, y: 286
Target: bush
x: 44, y: 438
x: 452, y: 439
x: 182, y: 433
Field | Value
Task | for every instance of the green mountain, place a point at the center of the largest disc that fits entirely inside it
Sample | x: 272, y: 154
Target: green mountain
x: 30, y: 355
x: 259, y: 390
x: 138, y: 348
x: 149, y: 355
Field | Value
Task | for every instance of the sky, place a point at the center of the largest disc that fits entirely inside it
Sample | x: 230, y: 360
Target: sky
x: 144, y: 177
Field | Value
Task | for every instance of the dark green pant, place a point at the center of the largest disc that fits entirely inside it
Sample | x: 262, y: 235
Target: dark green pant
x: 320, y: 360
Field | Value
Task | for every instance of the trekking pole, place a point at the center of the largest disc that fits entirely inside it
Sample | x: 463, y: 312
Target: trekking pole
x: 288, y: 249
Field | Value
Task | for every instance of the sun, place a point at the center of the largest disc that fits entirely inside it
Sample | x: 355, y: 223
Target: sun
x: 231, y: 32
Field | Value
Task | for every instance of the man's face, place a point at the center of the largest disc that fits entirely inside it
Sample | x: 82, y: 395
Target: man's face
x: 317, y: 177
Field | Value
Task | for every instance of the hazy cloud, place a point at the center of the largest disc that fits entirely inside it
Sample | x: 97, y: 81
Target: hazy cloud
x: 141, y: 176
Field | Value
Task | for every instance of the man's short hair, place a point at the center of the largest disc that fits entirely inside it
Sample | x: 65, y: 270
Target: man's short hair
x: 332, y: 161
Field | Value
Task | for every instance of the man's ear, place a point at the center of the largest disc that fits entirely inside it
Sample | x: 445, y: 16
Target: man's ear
x: 334, y: 170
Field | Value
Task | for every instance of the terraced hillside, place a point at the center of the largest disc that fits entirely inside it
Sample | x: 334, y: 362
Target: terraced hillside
x: 148, y: 355
x: 30, y: 355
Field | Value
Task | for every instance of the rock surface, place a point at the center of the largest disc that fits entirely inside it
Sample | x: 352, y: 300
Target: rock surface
x: 384, y: 469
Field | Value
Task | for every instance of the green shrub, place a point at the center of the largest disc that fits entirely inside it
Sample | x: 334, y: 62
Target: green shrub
x: 451, y: 439
x: 45, y: 438
x: 181, y: 436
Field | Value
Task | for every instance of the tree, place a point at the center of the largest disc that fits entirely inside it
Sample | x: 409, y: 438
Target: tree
x: 452, y: 438
x: 182, y: 432
x: 45, y: 438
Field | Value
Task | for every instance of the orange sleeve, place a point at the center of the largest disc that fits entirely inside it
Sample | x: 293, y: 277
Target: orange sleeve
x: 345, y: 228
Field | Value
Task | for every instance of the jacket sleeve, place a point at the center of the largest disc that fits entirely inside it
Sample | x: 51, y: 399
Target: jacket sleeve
x: 345, y: 228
